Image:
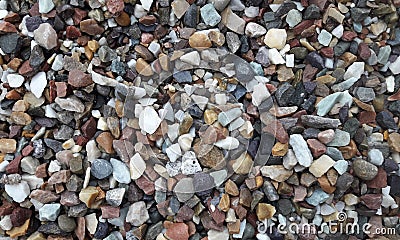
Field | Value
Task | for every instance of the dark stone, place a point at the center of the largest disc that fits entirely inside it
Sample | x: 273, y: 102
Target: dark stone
x: 203, y: 183
x: 191, y: 17
x: 32, y: 23
x: 101, y: 231
x: 298, y: 96
x: 341, y: 48
x: 19, y: 216
x: 153, y: 231
x: 309, y: 103
x: 118, y: 67
x: 312, y: 12
x: 55, y: 145
x: 351, y: 126
x: 51, y: 228
x: 359, y: 14
x: 195, y: 111
x: 385, y: 120
x: 285, y: 8
x: 390, y: 165
x: 10, y: 43
x: 343, y: 184
x: 315, y: 60
x: 37, y: 57
x: 311, y: 133
x: 285, y: 206
x: 394, y: 107
x: 284, y: 94
x: 244, y: 47
x: 78, y: 210
x: 183, y: 77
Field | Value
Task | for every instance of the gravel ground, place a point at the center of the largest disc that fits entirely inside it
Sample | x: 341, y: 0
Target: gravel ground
x: 183, y: 119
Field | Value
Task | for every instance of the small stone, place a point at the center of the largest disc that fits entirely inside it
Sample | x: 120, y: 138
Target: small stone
x: 275, y: 57
x: 317, y: 197
x: 231, y: 188
x: 88, y: 196
x: 72, y: 104
x: 15, y: 80
x: 394, y: 66
x: 325, y: 38
x: 18, y: 192
x: 375, y: 157
x: 265, y: 211
x: 319, y: 122
x: 355, y: 70
x: 49, y: 212
x: 227, y: 117
x: 243, y: 164
x: 178, y: 231
x: 149, y: 126
x: 91, y: 27
x: 320, y: 166
x: 115, y: 196
x: 275, y: 38
x: 364, y: 170
x: 101, y: 168
x: 137, y: 214
x: 326, y: 136
x: 200, y: 40
x: 233, y: 41
x: 77, y: 78
x: 179, y: 7
x: 365, y: 94
x: 10, y: 43
x: 8, y: 145
x: 260, y: 94
x: 233, y: 21
x: 254, y: 30
x: 316, y: 147
x: 209, y: 15
x: 184, y: 189
x: 301, y: 150
x: 38, y: 84
x: 276, y: 172
x: 46, y: 36
x: 293, y: 18
x: 342, y: 138
x: 45, y: 6
x: 120, y: 171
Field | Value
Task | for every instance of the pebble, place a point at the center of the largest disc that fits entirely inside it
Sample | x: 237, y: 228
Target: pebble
x: 355, y: 70
x: 365, y: 94
x: 275, y: 38
x: 301, y: 150
x: 101, y: 168
x: 149, y: 126
x: 209, y: 15
x: 18, y: 192
x: 320, y: 166
x: 233, y: 21
x: 184, y: 189
x: 375, y: 157
x: 46, y: 36
x: 120, y: 171
x: 45, y: 6
x: 179, y: 7
x: 293, y: 18
x: 49, y: 212
x: 325, y: 38
x: 70, y: 104
x: 15, y: 80
x: 254, y: 30
x: 137, y: 214
x: 38, y: 84
x: 364, y: 170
